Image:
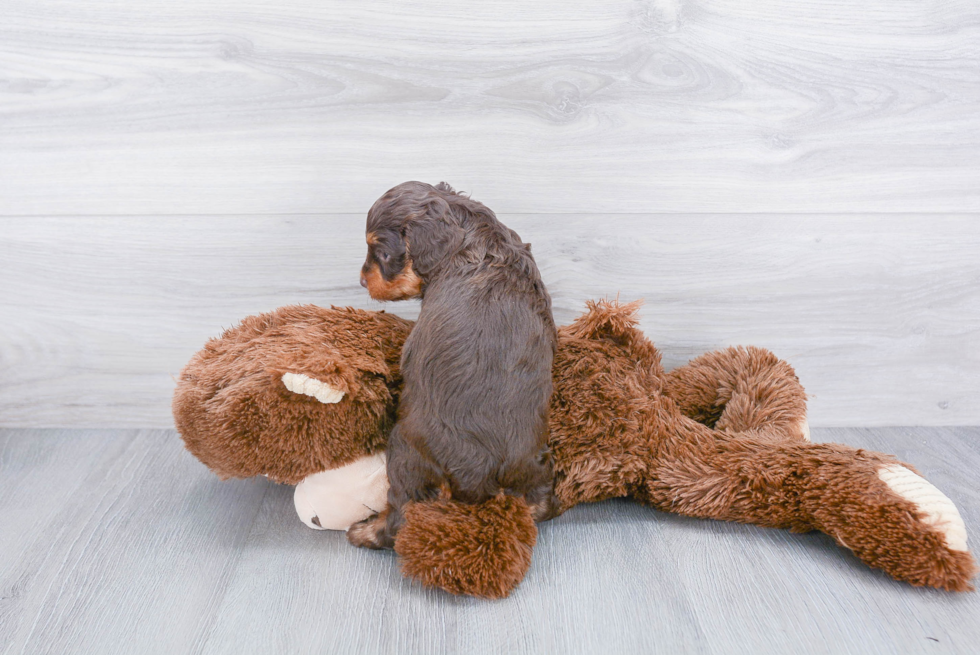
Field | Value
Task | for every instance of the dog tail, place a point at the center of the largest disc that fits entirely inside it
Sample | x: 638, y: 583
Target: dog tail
x: 481, y: 550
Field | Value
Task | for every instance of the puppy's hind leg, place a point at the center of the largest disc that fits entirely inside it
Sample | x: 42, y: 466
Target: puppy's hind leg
x: 411, y: 478
x: 540, y: 495
x: 372, y: 532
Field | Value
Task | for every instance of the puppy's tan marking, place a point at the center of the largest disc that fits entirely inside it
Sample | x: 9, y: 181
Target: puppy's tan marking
x: 403, y: 286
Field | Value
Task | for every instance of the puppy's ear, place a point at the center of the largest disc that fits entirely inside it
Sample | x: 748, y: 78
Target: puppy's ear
x: 432, y: 241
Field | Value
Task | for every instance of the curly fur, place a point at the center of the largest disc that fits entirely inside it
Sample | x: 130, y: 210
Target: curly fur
x: 481, y: 550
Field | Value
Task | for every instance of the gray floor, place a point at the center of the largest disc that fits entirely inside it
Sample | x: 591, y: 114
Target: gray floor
x: 118, y: 541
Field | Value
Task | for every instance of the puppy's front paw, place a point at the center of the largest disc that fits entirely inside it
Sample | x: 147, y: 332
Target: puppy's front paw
x: 369, y: 533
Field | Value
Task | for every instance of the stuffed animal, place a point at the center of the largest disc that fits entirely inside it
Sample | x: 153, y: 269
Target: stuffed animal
x: 306, y: 396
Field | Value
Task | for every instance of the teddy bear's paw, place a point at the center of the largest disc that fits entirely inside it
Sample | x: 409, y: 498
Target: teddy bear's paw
x: 304, y: 384
x: 938, y: 510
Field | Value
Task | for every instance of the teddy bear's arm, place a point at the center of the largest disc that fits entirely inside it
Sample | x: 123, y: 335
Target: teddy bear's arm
x: 870, y: 503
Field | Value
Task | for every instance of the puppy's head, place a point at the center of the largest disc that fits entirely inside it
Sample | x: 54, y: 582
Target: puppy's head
x: 411, y: 235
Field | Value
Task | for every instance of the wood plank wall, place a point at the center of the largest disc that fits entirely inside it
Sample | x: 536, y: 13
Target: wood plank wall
x: 798, y: 174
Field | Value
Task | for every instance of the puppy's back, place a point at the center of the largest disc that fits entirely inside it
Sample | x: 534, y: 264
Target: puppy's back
x: 478, y: 366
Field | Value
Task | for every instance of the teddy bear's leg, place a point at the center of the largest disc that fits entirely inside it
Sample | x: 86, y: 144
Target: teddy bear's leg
x: 741, y: 389
x: 870, y: 503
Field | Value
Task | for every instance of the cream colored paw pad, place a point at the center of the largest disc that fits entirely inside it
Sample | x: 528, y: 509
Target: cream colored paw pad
x: 940, y: 511
x: 304, y: 384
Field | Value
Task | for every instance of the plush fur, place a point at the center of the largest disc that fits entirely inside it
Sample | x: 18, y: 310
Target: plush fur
x: 473, y: 417
x: 723, y: 437
x: 481, y: 550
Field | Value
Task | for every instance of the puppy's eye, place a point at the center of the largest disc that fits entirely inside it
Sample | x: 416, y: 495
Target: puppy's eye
x: 383, y: 256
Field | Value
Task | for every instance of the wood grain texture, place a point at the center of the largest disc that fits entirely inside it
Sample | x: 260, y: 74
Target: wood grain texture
x: 108, y: 546
x: 311, y: 106
x: 121, y: 542
x: 880, y: 315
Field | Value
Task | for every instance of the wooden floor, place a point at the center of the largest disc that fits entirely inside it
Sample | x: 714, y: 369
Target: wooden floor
x: 118, y: 541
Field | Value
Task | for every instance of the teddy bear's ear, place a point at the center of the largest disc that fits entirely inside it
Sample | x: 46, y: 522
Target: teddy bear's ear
x: 327, y: 393
x: 323, y: 374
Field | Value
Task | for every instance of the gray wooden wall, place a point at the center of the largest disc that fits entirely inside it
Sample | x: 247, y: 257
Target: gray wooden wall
x: 797, y: 174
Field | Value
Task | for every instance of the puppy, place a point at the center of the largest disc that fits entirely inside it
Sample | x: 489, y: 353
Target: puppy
x: 473, y: 414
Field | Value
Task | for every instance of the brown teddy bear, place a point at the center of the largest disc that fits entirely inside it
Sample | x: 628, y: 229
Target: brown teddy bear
x: 306, y: 396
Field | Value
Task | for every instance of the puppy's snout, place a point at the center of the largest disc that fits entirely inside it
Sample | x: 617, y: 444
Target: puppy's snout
x: 363, y: 281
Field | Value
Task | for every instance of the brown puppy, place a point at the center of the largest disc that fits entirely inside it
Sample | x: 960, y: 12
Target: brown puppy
x: 472, y: 422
